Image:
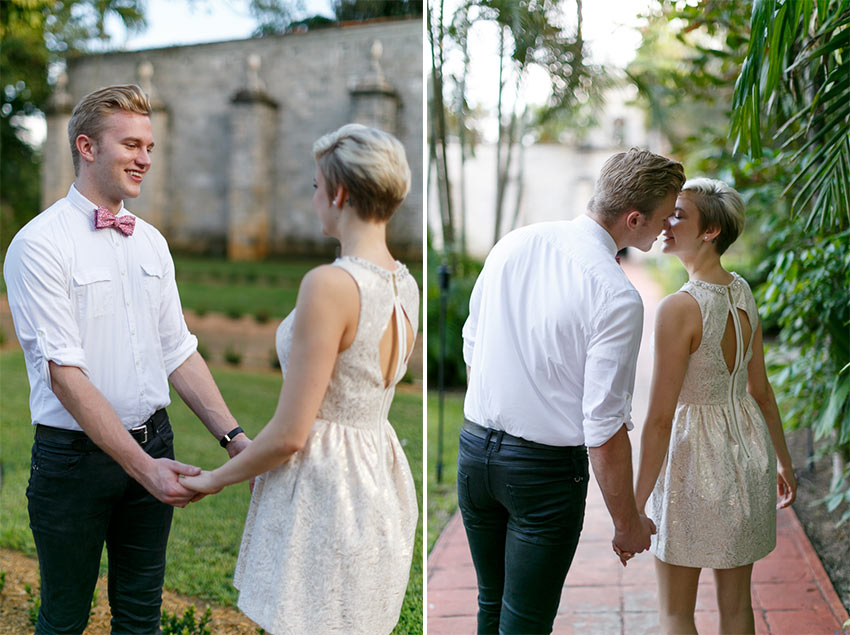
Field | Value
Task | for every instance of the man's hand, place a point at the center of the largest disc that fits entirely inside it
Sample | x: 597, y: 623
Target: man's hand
x: 237, y: 444
x: 164, y: 483
x: 634, y: 539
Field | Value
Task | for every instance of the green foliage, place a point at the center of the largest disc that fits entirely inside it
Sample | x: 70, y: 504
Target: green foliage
x: 33, y: 604
x: 442, y: 497
x: 36, y: 34
x: 462, y: 279
x: 806, y: 295
x: 2, y: 581
x: 186, y: 625
x: 796, y: 75
x: 789, y: 62
x: 205, y: 536
x: 286, y: 16
x: 232, y: 356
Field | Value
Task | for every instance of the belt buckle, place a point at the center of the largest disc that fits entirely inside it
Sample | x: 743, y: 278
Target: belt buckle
x: 141, y: 428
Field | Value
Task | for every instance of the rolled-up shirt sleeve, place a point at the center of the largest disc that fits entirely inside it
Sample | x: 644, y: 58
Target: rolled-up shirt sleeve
x: 39, y: 290
x: 176, y: 340
x: 609, y: 371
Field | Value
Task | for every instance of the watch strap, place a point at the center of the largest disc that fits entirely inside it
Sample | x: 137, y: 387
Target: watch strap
x: 227, y: 438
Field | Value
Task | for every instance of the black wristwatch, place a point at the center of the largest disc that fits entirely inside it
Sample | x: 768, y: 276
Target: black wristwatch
x: 227, y: 438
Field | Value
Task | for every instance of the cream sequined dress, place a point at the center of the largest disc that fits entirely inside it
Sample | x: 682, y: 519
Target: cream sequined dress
x: 329, y: 535
x: 715, y: 499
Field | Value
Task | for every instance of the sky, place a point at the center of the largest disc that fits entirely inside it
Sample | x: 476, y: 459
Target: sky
x: 174, y: 22
x: 609, y: 28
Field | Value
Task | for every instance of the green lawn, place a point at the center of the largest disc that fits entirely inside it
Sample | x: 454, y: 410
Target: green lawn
x: 267, y: 288
x: 442, y: 497
x: 205, y: 536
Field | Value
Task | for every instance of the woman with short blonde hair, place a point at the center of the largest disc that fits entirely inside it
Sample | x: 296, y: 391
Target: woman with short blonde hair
x: 328, y: 541
x: 713, y: 436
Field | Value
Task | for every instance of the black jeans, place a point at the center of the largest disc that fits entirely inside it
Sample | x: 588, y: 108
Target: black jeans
x: 523, y: 510
x: 79, y: 498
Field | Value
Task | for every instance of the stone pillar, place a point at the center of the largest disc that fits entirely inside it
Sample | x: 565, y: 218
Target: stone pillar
x: 374, y: 101
x: 57, y: 167
x: 152, y: 203
x: 253, y: 129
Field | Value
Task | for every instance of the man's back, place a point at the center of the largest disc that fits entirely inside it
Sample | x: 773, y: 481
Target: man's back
x: 538, y: 339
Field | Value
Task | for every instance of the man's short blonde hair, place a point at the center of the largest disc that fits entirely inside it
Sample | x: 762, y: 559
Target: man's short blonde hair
x: 89, y: 116
x: 370, y: 164
x: 635, y: 180
x: 720, y: 207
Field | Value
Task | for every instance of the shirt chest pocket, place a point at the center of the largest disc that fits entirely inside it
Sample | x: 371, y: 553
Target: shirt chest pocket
x: 94, y: 294
x: 152, y: 280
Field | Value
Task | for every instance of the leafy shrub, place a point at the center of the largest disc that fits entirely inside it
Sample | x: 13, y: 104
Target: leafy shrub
x: 34, y: 604
x: 172, y: 625
x: 274, y: 360
x: 232, y: 356
x: 262, y: 316
x: 462, y: 278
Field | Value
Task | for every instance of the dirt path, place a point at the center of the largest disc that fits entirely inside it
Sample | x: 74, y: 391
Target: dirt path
x: 15, y: 603
x: 220, y: 337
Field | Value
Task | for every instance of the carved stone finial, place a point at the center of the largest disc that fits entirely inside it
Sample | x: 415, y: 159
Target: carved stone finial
x: 145, y: 74
x: 255, y: 84
x: 376, y: 53
x: 61, y: 100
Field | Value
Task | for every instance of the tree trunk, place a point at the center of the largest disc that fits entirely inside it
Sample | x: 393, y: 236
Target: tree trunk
x: 439, y: 133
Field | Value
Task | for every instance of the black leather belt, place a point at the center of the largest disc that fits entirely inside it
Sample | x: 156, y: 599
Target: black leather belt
x: 509, y: 439
x: 79, y: 440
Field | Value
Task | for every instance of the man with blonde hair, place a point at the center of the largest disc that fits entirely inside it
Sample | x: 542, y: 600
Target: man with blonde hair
x: 93, y: 295
x: 551, y: 345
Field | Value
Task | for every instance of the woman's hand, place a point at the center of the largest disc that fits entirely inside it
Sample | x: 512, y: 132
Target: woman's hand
x: 204, y: 483
x: 786, y: 487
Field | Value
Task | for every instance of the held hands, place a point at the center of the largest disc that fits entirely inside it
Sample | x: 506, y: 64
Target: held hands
x: 200, y: 483
x: 633, y: 540
x: 165, y: 484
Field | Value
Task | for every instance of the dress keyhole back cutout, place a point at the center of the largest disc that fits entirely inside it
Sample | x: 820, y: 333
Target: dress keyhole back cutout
x: 729, y: 344
x: 389, y: 346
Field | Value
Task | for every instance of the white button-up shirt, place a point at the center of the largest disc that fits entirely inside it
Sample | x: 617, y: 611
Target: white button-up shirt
x: 98, y: 300
x: 552, y: 336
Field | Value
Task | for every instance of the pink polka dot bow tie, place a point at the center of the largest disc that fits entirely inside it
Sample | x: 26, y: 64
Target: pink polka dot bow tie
x: 104, y: 218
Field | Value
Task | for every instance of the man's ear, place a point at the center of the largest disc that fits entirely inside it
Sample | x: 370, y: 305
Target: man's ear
x: 87, y: 147
x: 634, y: 219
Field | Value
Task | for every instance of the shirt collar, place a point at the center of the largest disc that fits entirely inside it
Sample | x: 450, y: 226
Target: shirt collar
x: 85, y: 205
x: 598, y: 233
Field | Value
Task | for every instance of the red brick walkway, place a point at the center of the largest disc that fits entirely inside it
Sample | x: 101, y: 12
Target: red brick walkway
x: 791, y: 592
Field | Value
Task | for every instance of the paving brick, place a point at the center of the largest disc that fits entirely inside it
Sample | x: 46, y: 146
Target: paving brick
x: 452, y: 625
x: 801, y: 622
x: 452, y: 603
x: 643, y: 623
x: 791, y: 593
x: 590, y: 599
x: 577, y: 623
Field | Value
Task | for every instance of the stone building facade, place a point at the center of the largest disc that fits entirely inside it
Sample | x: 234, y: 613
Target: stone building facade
x: 234, y: 124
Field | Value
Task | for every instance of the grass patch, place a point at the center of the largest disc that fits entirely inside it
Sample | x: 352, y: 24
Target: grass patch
x: 442, y: 497
x: 266, y: 289
x: 205, y: 536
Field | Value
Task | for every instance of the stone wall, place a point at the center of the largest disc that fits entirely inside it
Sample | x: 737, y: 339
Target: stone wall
x: 240, y: 118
